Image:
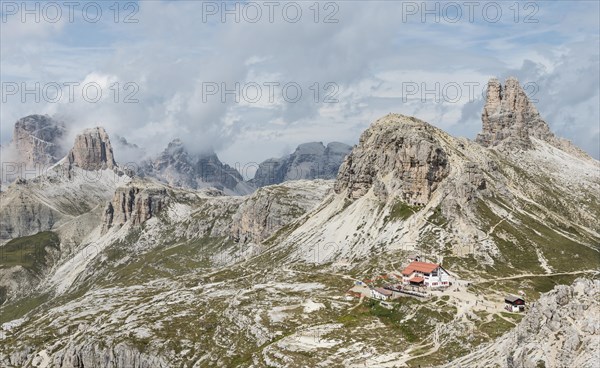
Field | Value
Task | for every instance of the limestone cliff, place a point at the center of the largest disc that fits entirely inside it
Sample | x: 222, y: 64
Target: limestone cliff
x: 560, y: 330
x: 36, y: 145
x: 398, y: 156
x: 135, y: 203
x: 308, y: 161
x: 92, y: 151
x: 271, y: 208
x: 510, y: 120
x: 36, y: 139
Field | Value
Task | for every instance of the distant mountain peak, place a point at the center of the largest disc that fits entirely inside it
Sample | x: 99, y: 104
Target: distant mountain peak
x: 311, y: 148
x: 36, y: 140
x: 175, y: 144
x: 178, y: 167
x: 312, y: 160
x: 92, y: 150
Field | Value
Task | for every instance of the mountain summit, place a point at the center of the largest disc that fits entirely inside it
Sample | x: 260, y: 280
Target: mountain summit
x: 309, y: 161
x: 510, y: 119
x: 35, y: 145
x: 92, y: 150
x: 398, y: 156
x: 36, y: 137
x: 177, y: 167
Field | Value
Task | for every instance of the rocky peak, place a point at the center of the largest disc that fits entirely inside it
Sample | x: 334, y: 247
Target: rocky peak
x: 177, y: 167
x: 311, y: 160
x: 92, y: 151
x: 36, y: 140
x: 311, y: 148
x: 136, y: 203
x: 397, y: 156
x: 510, y: 119
x: 174, y: 154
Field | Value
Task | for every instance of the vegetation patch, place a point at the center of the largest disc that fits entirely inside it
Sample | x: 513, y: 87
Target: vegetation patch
x: 29, y: 251
x: 496, y: 327
x: 401, y: 211
x: 21, y: 307
x: 437, y: 218
x: 170, y: 261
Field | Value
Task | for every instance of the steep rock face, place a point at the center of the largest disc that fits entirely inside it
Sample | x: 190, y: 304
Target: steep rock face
x: 510, y: 119
x: 309, y: 161
x: 36, y: 139
x: 269, y: 209
x: 397, y: 156
x: 35, y: 146
x: 508, y: 116
x: 21, y: 215
x: 560, y: 330
x: 135, y: 203
x: 92, y: 151
x: 177, y: 167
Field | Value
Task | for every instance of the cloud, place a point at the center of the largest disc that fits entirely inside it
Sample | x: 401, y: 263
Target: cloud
x: 170, y: 57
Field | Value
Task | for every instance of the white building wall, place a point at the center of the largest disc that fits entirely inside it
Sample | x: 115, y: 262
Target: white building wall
x: 441, y: 280
x: 376, y: 295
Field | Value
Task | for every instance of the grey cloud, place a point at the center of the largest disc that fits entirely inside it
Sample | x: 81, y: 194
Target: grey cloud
x: 170, y: 53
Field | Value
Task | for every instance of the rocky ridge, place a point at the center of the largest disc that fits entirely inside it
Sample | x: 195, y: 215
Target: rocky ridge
x: 81, y: 181
x: 177, y: 167
x: 402, y: 149
x: 309, y: 161
x: 409, y: 185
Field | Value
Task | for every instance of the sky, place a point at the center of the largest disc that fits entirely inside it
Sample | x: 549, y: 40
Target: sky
x: 252, y: 80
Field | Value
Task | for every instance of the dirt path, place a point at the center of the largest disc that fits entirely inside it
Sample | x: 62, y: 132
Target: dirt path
x: 535, y: 275
x: 512, y: 322
x: 434, y: 348
x: 362, y: 297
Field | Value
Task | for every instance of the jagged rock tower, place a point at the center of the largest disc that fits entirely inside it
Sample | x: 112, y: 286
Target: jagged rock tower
x: 510, y: 120
x: 92, y: 151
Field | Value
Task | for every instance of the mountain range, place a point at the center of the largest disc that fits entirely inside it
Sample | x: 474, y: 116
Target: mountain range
x: 38, y: 140
x: 182, y: 263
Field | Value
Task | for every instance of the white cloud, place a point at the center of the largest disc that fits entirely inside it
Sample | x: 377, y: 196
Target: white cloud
x: 171, y: 54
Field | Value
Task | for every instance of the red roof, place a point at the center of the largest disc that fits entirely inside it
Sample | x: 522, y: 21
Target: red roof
x: 417, y: 279
x: 383, y: 291
x: 419, y: 267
